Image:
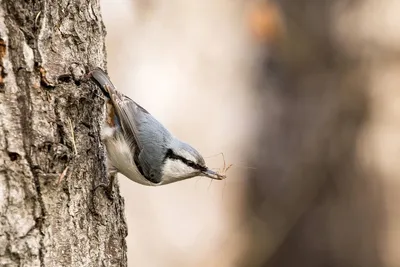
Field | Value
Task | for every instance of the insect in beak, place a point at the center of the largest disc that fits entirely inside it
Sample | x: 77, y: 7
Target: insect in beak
x: 213, y: 175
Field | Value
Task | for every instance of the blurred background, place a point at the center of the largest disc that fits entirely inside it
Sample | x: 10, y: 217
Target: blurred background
x: 301, y: 96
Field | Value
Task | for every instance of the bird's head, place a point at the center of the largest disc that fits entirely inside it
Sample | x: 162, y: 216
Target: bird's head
x: 182, y: 162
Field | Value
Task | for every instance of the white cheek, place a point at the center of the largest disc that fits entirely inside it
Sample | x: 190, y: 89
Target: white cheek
x: 176, y: 170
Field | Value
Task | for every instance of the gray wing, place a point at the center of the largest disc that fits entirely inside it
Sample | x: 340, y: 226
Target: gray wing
x: 129, y: 114
x: 150, y: 136
x: 125, y: 107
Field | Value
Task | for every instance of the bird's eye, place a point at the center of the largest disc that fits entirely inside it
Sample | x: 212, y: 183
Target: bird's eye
x: 191, y: 164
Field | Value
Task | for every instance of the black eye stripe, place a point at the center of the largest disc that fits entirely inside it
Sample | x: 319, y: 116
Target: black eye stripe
x: 171, y: 155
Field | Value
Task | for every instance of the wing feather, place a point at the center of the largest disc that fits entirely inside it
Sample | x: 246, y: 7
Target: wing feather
x: 125, y: 108
x: 145, y: 136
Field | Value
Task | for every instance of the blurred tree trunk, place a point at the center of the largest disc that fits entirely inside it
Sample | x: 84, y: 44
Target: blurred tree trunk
x: 51, y: 157
x: 316, y: 198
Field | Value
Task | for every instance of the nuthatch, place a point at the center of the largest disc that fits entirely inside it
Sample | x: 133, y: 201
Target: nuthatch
x: 140, y: 147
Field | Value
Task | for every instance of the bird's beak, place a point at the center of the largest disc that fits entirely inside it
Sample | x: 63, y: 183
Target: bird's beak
x: 213, y: 175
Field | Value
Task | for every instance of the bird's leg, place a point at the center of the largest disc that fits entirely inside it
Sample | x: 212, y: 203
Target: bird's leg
x: 108, y: 188
x: 112, y: 173
x: 107, y: 134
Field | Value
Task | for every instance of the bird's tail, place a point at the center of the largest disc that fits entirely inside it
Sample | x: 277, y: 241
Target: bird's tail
x: 103, y: 81
x: 109, y: 90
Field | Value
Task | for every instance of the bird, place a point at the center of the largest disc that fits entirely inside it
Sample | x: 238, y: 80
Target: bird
x: 140, y: 147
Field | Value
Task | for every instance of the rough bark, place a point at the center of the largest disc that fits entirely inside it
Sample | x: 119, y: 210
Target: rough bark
x: 51, y: 157
x: 316, y: 198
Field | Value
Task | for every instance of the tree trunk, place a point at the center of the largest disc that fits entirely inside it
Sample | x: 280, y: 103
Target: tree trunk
x: 51, y: 157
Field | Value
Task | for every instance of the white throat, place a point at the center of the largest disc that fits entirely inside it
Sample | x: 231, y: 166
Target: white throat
x: 175, y: 170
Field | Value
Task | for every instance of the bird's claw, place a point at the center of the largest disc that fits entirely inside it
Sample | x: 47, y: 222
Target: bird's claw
x: 108, y: 188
